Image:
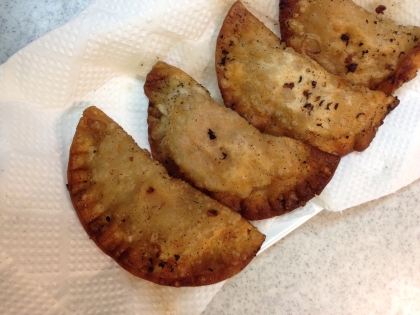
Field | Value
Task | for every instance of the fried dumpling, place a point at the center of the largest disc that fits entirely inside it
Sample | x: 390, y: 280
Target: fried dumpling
x: 284, y: 93
x: 215, y: 149
x: 158, y: 228
x: 359, y: 46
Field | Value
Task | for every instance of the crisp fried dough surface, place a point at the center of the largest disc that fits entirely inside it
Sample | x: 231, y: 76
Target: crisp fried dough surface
x: 258, y: 175
x: 284, y: 93
x: 156, y: 227
x: 347, y: 40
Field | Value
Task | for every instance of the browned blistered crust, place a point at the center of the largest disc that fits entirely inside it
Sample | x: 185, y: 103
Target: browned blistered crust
x: 210, y: 146
x: 156, y: 227
x: 284, y: 93
x: 361, y: 47
x: 406, y: 71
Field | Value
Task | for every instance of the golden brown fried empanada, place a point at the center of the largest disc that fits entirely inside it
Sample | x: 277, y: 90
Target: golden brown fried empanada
x: 284, y: 93
x: 347, y: 40
x: 156, y: 227
x: 258, y: 175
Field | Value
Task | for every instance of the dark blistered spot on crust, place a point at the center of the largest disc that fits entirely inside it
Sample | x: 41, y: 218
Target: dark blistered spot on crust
x: 290, y: 85
x: 380, y: 9
x: 212, y: 213
x: 352, y: 67
x: 225, y: 53
x: 309, y: 107
x: 345, y: 38
x: 211, y: 134
x: 150, y: 190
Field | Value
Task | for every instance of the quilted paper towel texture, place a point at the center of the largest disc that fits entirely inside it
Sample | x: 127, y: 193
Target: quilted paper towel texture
x: 101, y: 58
x: 21, y: 294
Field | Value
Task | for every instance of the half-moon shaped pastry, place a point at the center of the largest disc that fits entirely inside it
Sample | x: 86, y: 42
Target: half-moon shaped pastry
x: 215, y: 149
x: 158, y: 228
x: 284, y: 93
x: 347, y: 40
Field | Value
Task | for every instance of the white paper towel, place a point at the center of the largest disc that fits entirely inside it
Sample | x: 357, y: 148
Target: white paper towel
x: 47, y: 263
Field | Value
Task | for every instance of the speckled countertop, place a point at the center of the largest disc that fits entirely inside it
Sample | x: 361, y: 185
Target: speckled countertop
x: 365, y: 260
